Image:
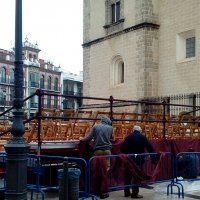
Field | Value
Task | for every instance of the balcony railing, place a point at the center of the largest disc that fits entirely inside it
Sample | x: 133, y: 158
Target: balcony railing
x: 34, y: 84
x: 2, y: 102
x: 34, y: 105
x: 10, y: 81
x: 50, y: 87
x: 67, y: 92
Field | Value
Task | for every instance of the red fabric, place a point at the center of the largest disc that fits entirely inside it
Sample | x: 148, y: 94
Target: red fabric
x: 132, y: 168
x: 160, y: 171
x: 99, y: 176
x: 160, y: 168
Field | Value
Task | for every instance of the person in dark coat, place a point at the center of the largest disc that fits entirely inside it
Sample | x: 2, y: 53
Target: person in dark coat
x: 135, y: 143
x: 188, y: 165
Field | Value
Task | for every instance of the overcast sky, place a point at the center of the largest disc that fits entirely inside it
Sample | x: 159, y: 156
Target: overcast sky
x: 56, y: 26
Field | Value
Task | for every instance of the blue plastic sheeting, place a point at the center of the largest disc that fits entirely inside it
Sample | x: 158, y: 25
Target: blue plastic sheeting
x: 73, y: 173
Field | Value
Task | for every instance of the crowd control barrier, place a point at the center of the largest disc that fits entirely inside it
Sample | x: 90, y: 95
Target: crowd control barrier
x: 43, y: 172
x: 2, y: 175
x: 114, y: 179
x: 187, y: 170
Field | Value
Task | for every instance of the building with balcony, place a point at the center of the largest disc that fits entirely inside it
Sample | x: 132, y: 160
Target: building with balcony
x: 72, y: 85
x: 37, y: 73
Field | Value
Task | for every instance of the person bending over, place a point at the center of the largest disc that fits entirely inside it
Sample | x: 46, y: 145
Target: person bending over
x: 188, y: 165
x: 135, y: 143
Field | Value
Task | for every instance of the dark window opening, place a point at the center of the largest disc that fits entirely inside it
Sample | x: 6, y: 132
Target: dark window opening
x: 115, y: 12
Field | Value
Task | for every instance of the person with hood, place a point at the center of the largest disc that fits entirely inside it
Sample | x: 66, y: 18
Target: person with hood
x: 101, y: 133
x: 188, y: 165
x: 135, y: 143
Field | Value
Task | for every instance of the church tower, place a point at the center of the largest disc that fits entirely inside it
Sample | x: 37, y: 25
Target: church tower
x: 120, y: 48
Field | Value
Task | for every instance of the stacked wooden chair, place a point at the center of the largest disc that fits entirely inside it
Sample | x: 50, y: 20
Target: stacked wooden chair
x: 64, y: 127
x: 81, y: 126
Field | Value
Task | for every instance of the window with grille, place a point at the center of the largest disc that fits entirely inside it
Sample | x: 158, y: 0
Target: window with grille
x: 190, y: 47
x: 185, y: 46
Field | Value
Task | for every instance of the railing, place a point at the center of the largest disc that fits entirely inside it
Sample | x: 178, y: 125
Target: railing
x: 42, y: 172
x: 34, y: 84
x: 113, y: 103
x: 192, y: 99
x: 34, y: 105
x: 49, y: 87
x: 67, y: 92
x: 8, y: 81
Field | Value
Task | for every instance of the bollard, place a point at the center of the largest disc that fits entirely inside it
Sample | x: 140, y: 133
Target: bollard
x: 60, y: 184
x: 63, y: 181
x: 68, y: 182
x: 73, y: 183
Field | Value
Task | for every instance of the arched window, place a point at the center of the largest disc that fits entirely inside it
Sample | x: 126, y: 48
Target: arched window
x: 3, y: 75
x: 56, y: 84
x: 11, y: 76
x: 118, y: 70
x: 49, y: 83
x: 42, y: 81
x: 30, y: 57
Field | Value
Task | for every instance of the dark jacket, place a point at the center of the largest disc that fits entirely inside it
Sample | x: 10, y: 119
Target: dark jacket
x: 189, y: 165
x: 101, y: 133
x: 136, y: 143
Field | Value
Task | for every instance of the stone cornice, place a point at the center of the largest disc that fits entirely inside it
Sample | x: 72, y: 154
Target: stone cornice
x: 133, y: 28
x: 107, y: 105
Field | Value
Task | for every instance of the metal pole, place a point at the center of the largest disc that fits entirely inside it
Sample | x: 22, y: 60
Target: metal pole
x: 65, y: 178
x: 4, y: 94
x: 111, y: 108
x: 17, y: 148
x: 164, y: 118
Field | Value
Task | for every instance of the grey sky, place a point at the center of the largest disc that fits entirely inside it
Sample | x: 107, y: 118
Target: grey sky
x: 56, y: 25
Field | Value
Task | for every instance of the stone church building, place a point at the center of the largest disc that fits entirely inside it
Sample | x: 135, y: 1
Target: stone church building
x: 137, y: 49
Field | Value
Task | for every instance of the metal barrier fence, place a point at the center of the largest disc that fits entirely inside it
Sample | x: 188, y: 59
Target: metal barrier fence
x: 187, y: 167
x: 42, y: 172
x: 2, y: 172
x: 116, y: 173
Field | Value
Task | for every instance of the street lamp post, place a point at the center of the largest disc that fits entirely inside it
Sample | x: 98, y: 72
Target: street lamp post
x: 4, y: 98
x: 17, y: 148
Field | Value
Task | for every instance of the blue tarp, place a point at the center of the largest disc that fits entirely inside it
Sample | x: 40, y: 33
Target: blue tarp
x: 73, y: 173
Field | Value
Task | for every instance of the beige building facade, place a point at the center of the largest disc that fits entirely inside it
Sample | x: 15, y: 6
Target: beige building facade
x: 135, y: 49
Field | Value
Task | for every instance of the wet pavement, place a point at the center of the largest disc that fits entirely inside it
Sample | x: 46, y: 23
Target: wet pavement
x: 148, y: 194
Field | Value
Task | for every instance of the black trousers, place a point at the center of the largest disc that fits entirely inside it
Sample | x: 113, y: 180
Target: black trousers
x: 128, y: 180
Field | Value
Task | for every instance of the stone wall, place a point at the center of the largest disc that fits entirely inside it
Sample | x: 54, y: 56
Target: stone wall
x: 177, y: 17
